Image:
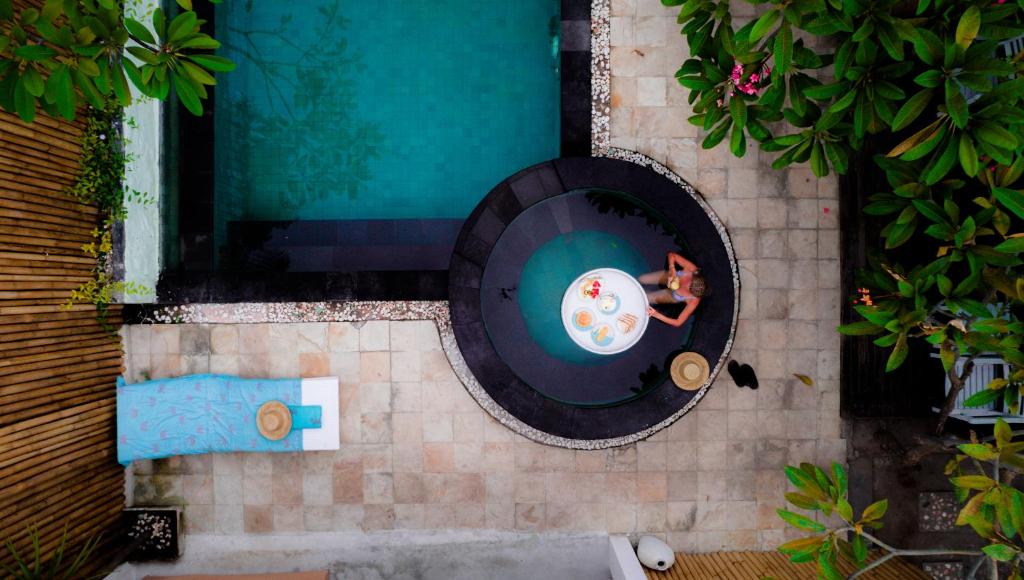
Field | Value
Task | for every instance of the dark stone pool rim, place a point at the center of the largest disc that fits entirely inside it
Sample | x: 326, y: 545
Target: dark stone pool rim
x: 479, y: 236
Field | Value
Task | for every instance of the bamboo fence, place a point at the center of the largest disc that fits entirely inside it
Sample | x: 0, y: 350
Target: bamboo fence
x: 57, y: 367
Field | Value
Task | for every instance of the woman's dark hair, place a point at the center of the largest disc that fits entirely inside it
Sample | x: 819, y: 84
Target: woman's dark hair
x: 699, y: 286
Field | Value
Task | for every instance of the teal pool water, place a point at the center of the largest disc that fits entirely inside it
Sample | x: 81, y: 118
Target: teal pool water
x: 355, y: 110
x: 551, y: 269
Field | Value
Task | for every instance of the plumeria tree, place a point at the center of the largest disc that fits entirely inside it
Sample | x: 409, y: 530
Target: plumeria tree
x: 938, y: 85
x: 982, y: 474
x: 70, y: 56
x: 70, y: 52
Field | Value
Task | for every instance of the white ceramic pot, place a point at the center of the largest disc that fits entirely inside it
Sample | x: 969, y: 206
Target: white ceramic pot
x: 654, y: 553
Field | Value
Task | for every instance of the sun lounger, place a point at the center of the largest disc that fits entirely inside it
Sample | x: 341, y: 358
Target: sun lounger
x: 217, y: 414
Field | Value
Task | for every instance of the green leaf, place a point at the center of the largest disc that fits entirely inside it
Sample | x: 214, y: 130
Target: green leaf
x: 1011, y: 246
x: 819, y: 165
x: 968, y: 155
x: 800, y: 545
x: 801, y: 522
x: 899, y: 233
x: 979, y: 482
x: 899, y: 353
x: 717, y: 134
x: 967, y: 28
x: 212, y: 62
x: 24, y: 102
x: 910, y: 110
x: 843, y: 103
x: 159, y: 23
x: 875, y: 511
x: 60, y: 86
x: 182, y: 25
x: 33, y: 82
x: 1003, y: 433
x: 930, y: 210
x: 860, y: 549
x: 981, y: 526
x: 802, y: 501
x: 978, y: 451
x: 138, y: 29
x: 1011, y: 199
x: 942, y: 164
x: 120, y: 85
x: 737, y: 141
x: 861, y: 328
x: 738, y: 110
x: 187, y: 4
x: 1000, y: 552
x: 784, y: 48
x: 187, y: 94
x: 995, y: 135
x: 34, y: 52
x: 946, y: 354
x: 805, y: 482
x: 956, y: 104
x: 198, y: 74
x: 764, y: 24
x: 203, y: 42
x: 844, y: 509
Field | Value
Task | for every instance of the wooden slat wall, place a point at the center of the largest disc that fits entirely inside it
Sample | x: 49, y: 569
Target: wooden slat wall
x: 760, y: 565
x: 57, y: 368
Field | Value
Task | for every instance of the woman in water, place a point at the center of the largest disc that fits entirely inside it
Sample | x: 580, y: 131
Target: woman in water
x: 681, y: 285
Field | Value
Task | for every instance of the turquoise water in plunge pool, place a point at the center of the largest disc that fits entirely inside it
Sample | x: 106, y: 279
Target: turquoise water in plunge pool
x: 355, y: 110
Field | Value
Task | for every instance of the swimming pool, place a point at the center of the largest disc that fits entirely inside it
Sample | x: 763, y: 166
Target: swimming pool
x: 359, y: 135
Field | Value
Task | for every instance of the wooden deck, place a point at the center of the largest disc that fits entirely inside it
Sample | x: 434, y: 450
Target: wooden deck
x: 762, y: 565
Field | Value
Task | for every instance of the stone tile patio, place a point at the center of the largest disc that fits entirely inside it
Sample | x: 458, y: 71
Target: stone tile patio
x: 418, y: 453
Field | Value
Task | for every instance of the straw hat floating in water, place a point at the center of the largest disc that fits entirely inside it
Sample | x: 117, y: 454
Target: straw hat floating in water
x: 689, y: 371
x: 274, y: 420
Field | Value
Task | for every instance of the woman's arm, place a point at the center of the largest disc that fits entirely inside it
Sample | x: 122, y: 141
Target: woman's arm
x: 678, y: 321
x: 674, y: 258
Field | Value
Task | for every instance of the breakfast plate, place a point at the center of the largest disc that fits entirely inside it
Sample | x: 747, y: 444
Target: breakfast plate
x: 604, y: 311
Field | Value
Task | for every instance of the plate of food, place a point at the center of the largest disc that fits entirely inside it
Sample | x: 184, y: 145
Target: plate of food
x: 590, y: 288
x: 608, y: 303
x: 626, y: 323
x: 602, y: 335
x: 583, y: 319
x: 604, y: 311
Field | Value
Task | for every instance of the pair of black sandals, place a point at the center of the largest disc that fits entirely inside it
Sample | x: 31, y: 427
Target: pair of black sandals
x: 742, y: 374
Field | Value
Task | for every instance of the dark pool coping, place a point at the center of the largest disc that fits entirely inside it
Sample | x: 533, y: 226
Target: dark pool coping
x: 639, y: 178
x: 195, y: 280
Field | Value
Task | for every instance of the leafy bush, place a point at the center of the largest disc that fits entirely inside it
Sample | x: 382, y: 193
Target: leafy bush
x: 991, y: 506
x: 938, y: 81
x: 73, y: 51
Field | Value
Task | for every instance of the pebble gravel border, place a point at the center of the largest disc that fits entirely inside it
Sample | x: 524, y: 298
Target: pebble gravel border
x: 600, y: 77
